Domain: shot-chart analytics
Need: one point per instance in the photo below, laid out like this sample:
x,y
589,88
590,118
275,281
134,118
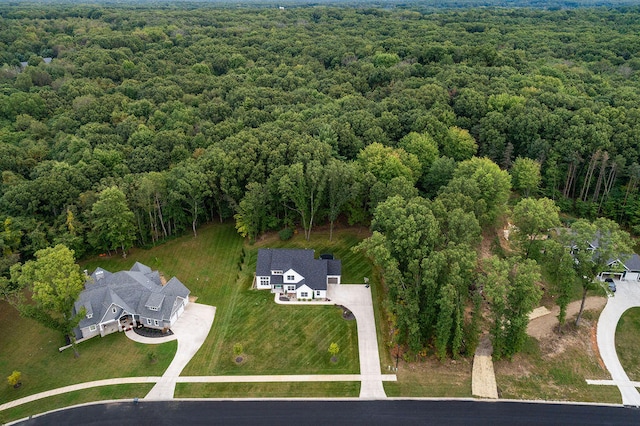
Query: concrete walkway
x,y
193,327
627,296
76,387
196,379
282,378
191,330
357,298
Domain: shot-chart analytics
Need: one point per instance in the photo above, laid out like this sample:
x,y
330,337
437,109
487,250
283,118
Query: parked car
x,y
611,284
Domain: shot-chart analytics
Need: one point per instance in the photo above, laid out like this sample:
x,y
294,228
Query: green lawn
x,y
281,339
628,342
33,350
268,390
208,265
126,391
218,267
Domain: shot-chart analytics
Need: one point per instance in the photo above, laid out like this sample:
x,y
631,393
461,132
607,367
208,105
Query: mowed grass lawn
x,y
218,267
280,339
32,349
102,393
628,342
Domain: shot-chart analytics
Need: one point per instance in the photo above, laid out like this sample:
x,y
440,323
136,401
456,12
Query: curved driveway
x,y
191,330
627,296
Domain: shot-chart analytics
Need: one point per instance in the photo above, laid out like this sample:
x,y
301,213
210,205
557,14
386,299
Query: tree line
x,y
123,125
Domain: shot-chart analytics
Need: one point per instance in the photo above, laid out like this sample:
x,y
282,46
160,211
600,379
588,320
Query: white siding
x,y
320,294
304,292
292,277
263,283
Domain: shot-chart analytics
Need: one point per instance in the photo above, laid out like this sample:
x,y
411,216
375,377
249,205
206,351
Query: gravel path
x,y
483,378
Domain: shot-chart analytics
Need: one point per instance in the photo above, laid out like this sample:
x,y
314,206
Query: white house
x,y
296,271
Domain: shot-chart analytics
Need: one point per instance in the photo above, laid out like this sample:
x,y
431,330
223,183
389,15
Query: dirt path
x,y
543,326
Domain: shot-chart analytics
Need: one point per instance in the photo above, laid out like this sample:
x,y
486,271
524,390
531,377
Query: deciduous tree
x,y
55,282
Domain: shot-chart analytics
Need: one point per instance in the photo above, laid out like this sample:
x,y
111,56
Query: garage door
x,y
332,280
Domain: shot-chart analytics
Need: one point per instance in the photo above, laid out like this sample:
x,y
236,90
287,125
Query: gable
x,y
137,291
296,266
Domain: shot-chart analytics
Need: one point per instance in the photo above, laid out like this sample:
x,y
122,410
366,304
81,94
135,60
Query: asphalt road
x,y
390,412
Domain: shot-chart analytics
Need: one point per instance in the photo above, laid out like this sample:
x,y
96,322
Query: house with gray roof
x,y
296,271
628,270
114,301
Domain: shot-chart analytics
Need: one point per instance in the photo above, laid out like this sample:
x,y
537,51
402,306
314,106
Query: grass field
x,y
33,350
432,378
268,390
559,373
628,341
217,267
126,391
281,339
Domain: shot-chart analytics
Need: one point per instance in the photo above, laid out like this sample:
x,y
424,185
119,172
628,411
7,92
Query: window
x,y
148,321
291,288
291,277
264,280
92,327
277,272
317,292
114,310
304,294
156,323
152,308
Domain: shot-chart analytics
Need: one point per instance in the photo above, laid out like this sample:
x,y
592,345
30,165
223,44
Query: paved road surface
x,y
389,412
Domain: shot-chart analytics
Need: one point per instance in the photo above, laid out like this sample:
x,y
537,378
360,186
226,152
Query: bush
x,y
14,378
285,234
238,349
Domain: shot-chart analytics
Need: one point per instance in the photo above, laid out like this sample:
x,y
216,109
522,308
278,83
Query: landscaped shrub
x,y
285,234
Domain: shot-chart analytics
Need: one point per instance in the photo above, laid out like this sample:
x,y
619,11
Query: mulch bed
x,y
151,332
346,313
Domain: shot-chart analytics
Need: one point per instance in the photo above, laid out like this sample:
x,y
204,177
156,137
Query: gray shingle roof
x,y
633,264
133,291
313,270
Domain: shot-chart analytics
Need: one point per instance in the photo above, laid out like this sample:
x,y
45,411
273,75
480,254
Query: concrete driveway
x,y
627,296
357,298
191,330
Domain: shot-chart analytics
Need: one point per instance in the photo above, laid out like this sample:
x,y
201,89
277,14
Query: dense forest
x,y
123,125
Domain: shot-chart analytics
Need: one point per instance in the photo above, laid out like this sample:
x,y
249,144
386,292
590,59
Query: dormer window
x,y
89,316
277,272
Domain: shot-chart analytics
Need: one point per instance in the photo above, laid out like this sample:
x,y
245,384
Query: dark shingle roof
x,y
135,291
633,264
313,270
